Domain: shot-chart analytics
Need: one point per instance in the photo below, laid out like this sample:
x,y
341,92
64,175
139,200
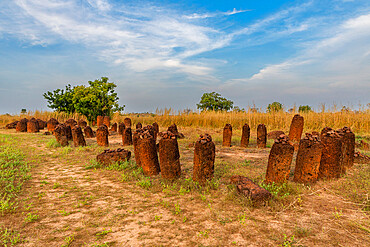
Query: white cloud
x,y
336,63
216,14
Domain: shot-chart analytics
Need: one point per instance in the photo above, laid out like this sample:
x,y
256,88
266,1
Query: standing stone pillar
x,y
280,158
82,123
308,159
127,122
121,128
261,136
52,124
106,121
227,134
22,125
102,135
78,137
173,129
89,133
349,140
246,132
60,135
32,126
156,129
169,156
296,128
135,140
99,121
127,137
42,124
71,122
204,159
331,165
139,125
68,130
148,154
114,127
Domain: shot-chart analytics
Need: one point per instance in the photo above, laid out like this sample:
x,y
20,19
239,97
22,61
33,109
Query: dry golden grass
x,y
314,121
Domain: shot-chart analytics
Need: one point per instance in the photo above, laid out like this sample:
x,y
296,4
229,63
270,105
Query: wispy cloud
x,y
216,14
336,66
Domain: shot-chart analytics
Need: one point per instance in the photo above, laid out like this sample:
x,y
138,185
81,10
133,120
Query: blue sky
x,y
168,53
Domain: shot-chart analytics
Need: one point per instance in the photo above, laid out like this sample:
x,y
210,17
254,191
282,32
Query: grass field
x,y
59,196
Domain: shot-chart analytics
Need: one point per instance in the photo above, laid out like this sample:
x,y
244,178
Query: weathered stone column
x,y
135,140
82,123
173,129
308,159
204,159
139,125
169,156
156,129
71,122
22,125
42,124
121,128
106,121
68,130
99,121
127,137
32,126
348,149
227,134
127,122
102,135
331,165
78,137
114,127
246,132
89,133
60,135
148,154
52,124
261,136
296,128
280,158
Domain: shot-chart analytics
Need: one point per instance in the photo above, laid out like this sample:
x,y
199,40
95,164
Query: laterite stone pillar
x,y
78,137
308,159
280,158
22,125
89,133
261,136
331,165
296,128
52,124
148,154
204,159
169,156
60,135
246,132
127,137
102,136
227,134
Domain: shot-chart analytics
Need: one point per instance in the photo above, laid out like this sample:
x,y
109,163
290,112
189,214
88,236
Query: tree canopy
x,y
274,107
96,99
214,101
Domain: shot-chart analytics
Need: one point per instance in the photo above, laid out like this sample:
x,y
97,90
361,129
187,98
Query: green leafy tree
x,y
274,107
96,99
214,101
61,100
304,108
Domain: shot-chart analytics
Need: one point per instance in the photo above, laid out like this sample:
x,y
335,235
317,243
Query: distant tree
x,y
274,107
214,101
238,109
304,108
91,101
23,111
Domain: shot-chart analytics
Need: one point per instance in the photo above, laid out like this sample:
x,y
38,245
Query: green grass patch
x,y
14,171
